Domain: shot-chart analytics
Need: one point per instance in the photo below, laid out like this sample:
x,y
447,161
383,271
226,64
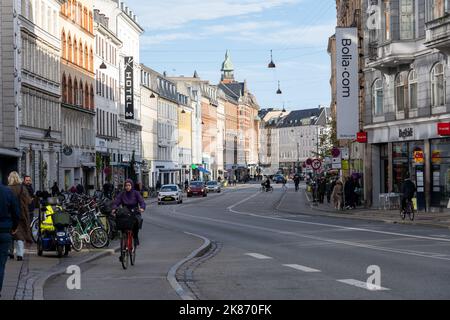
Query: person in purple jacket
x,y
133,201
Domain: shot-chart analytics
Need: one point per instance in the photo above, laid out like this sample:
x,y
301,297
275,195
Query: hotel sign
x,y
129,88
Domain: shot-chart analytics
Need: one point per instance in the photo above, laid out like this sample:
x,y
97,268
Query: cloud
x,y
172,14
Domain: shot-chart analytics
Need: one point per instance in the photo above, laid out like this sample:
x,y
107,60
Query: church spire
x,y
227,69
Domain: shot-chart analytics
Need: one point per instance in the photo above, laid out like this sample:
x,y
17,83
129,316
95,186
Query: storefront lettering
x,y
406,133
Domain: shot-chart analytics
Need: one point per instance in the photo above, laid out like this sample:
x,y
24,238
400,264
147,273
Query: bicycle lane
x,y
104,278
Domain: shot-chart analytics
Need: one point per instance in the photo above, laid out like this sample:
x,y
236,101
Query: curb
x,y
38,286
172,274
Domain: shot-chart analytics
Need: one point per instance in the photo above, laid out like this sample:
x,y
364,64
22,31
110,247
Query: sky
x,y
182,36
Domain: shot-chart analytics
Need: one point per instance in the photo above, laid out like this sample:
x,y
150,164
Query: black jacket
x,y
9,210
408,189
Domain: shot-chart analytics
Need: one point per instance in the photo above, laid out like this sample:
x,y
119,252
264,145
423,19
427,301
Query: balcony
x,y
393,55
438,34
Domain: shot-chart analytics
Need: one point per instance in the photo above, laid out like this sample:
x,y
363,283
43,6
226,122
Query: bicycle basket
x,y
125,220
61,219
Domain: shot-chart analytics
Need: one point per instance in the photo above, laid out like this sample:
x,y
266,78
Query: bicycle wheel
x,y
99,238
77,243
132,250
35,229
411,212
124,250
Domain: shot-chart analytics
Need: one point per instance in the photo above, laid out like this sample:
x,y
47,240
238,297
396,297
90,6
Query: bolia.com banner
x,y
129,88
347,83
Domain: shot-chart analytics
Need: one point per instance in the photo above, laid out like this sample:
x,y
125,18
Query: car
x,y
170,193
279,179
213,186
197,188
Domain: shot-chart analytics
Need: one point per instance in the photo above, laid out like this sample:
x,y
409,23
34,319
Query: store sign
x,y
129,88
361,137
405,133
444,129
347,82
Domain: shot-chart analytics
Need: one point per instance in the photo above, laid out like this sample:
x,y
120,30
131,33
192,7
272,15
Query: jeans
x,y
20,248
5,243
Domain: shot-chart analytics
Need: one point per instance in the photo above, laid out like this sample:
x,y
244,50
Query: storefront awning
x,y
203,170
10,153
88,164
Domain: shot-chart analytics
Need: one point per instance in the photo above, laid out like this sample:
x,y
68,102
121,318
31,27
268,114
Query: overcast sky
x,y
186,35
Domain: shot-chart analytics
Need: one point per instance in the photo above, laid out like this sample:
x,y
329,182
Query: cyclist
x,y
408,191
267,184
133,201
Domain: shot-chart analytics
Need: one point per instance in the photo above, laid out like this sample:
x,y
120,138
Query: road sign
x,y
316,164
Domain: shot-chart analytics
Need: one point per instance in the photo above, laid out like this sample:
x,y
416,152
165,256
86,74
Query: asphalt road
x,y
261,253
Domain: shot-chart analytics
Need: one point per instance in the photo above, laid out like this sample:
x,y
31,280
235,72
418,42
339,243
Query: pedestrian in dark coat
x,y
9,220
28,184
23,232
55,190
349,190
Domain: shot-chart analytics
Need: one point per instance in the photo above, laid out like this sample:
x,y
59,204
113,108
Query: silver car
x,y
170,193
213,186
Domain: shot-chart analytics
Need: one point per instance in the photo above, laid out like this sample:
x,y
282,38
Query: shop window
x,y
440,175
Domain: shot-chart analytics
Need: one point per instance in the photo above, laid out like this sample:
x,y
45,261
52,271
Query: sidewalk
x,y
300,200
24,280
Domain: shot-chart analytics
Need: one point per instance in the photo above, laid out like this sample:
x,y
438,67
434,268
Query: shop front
x,y
415,151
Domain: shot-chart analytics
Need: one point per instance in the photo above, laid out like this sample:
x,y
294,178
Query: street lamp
x,y
271,64
279,89
103,65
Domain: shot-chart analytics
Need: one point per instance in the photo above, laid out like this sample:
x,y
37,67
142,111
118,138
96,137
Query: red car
x,y
197,188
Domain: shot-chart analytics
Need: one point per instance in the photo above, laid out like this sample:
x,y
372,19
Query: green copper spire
x,y
227,64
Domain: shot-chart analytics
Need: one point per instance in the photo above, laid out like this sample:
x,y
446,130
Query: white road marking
x,y
301,268
334,241
258,256
363,285
334,226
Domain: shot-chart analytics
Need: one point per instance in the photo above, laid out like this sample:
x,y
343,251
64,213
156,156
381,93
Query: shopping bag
x,y
414,201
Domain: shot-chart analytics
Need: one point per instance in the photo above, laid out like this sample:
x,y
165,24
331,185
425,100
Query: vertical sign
x,y
129,88
347,83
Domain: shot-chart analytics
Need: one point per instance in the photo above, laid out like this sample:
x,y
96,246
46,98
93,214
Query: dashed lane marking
x,y
258,256
363,285
301,268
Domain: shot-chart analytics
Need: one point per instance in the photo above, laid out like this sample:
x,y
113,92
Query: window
x,y
407,19
437,85
400,92
377,97
435,9
412,81
64,45
387,19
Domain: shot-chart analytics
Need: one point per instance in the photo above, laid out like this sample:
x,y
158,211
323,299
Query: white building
x,y
123,23
37,61
107,102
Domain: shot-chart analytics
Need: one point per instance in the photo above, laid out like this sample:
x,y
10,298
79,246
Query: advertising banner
x,y
129,88
347,83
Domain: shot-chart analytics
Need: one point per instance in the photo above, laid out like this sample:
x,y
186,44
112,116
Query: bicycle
x,y
86,230
127,249
409,210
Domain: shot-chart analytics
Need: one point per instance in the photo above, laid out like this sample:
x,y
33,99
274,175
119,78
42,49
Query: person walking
x,y
27,182
336,195
9,220
23,232
108,189
55,190
349,191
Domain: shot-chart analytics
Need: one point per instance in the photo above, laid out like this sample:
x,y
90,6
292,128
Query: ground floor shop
x,y
9,162
421,154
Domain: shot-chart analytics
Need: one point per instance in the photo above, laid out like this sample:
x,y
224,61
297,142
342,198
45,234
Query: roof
x,y
300,118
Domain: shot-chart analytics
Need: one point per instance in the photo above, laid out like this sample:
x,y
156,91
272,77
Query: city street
x,y
259,252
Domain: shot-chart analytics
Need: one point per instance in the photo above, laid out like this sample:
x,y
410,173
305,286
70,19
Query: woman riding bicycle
x,y
133,201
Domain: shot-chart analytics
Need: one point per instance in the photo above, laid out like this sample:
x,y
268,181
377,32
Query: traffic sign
x,y
316,164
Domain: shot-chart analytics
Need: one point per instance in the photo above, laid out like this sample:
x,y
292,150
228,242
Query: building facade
x,y
77,88
107,102
407,99
124,24
38,59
